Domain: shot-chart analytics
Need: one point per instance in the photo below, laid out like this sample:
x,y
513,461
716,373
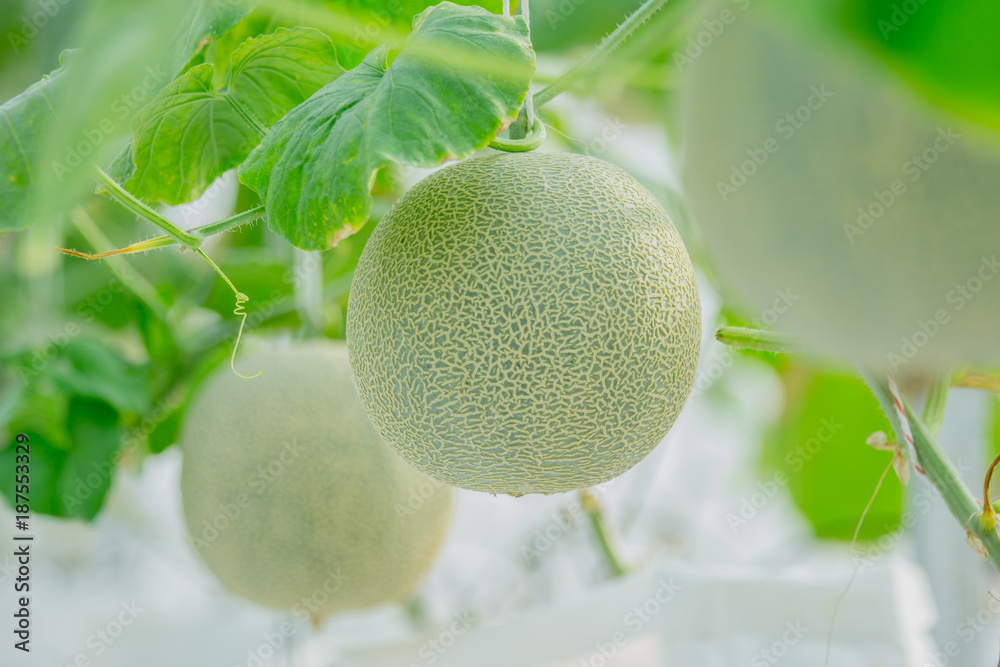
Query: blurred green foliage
x,y
947,50
560,25
97,371
97,378
820,444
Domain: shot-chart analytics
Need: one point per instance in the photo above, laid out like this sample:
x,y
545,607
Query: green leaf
x,y
191,133
90,466
70,482
46,465
206,22
164,434
24,121
92,369
375,17
120,67
464,72
831,471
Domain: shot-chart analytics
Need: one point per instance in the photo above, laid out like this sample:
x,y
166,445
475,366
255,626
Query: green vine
x,y
595,58
934,464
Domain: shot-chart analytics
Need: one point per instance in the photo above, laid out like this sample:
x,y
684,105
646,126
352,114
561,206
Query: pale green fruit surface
x,y
806,132
327,517
524,323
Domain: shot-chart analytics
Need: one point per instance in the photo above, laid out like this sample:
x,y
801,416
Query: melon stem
x,y
526,118
599,522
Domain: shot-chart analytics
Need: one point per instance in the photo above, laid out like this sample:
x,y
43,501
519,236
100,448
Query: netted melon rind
x,y
524,324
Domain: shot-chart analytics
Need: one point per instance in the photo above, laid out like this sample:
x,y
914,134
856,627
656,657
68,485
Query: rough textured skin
x,y
335,521
909,282
524,324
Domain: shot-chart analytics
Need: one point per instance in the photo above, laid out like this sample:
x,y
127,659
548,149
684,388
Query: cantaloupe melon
x,y
290,496
524,323
817,174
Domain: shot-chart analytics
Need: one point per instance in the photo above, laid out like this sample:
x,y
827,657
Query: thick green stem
x,y
530,142
934,406
599,54
129,201
756,339
597,521
935,465
938,469
163,241
522,125
231,222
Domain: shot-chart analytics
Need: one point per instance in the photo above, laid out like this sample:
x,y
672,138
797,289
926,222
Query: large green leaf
x,y
50,133
90,465
72,458
464,72
207,21
191,133
373,18
24,121
88,367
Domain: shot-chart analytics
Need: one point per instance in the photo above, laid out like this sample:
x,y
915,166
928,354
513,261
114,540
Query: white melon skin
x,y
290,496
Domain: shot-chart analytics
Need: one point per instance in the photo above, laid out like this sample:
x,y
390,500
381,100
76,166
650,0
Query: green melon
x,y
290,496
524,324
819,177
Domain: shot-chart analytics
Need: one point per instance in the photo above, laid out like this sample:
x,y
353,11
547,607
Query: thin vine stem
x,y
598,522
977,381
529,142
201,232
857,560
139,246
231,222
756,339
935,404
129,201
599,54
523,125
241,299
119,266
989,517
